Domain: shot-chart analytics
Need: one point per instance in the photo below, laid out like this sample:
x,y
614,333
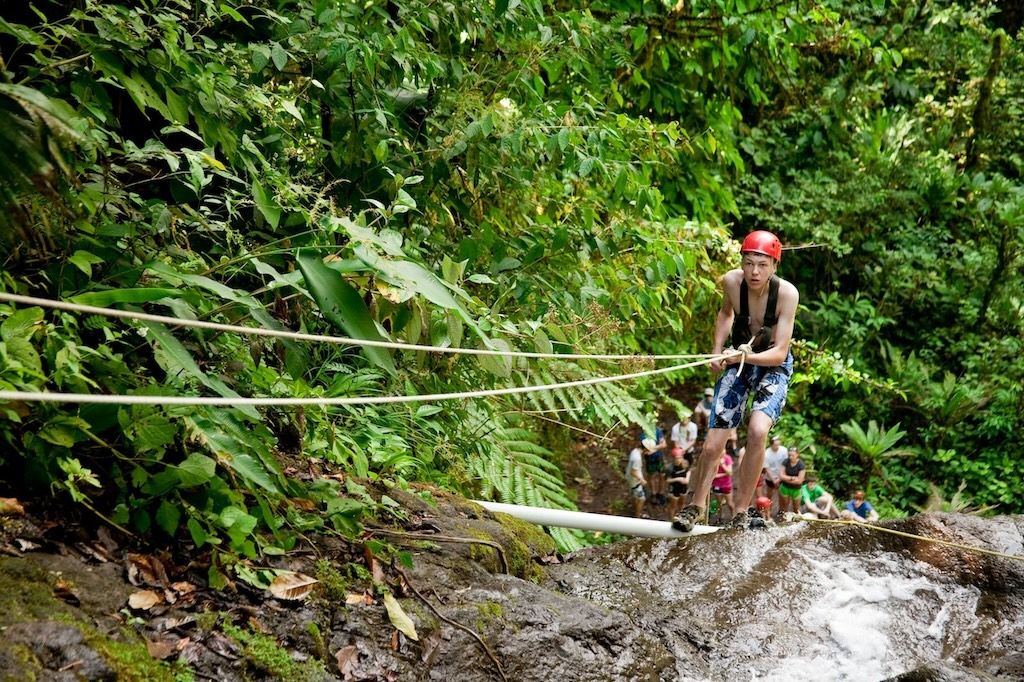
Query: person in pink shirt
x,y
721,485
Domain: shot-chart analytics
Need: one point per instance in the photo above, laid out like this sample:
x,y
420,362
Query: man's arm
x,y
723,323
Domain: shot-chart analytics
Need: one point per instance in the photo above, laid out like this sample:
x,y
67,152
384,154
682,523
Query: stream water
x,y
819,602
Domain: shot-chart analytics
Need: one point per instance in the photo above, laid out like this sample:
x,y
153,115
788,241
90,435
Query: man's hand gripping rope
x,y
744,350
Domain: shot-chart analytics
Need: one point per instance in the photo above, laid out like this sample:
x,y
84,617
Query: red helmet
x,y
764,503
761,241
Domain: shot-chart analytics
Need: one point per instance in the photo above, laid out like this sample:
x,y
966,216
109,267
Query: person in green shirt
x,y
816,500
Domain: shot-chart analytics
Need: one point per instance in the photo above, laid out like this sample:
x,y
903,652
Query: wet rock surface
x,y
815,601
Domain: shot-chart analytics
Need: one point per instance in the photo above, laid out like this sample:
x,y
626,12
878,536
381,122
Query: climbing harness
x,y
762,338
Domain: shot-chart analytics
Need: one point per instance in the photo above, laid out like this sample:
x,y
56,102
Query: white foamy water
x,y
870,619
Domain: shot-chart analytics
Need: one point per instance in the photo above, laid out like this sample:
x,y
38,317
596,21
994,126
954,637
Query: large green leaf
x,y
176,357
103,299
341,304
255,308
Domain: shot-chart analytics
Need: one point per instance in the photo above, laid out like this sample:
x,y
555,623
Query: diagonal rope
x,y
299,336
914,536
106,399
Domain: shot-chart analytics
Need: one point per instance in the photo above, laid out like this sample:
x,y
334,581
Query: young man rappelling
x,y
758,310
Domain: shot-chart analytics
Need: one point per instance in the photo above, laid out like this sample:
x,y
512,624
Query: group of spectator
x,y
786,485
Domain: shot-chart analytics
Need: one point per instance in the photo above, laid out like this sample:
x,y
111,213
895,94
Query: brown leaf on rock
x,y
143,600
161,649
107,540
146,569
223,646
347,657
63,591
371,563
292,586
361,598
430,647
93,551
9,505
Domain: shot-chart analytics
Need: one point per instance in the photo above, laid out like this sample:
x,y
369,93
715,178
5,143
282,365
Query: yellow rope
x,y
946,543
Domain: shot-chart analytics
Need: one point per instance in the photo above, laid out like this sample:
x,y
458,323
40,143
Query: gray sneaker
x,y
747,519
687,518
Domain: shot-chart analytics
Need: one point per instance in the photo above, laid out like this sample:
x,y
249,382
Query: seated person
x,y
678,479
859,509
816,500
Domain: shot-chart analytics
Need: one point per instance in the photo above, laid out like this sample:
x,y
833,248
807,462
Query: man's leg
x,y
707,465
745,479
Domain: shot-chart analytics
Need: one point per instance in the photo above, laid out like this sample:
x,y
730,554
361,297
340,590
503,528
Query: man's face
x,y
757,269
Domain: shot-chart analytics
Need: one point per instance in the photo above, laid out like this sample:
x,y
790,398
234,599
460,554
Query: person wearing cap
x,y
758,311
683,435
702,412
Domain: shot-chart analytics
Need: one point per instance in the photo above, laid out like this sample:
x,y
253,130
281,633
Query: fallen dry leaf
x,y
347,658
353,598
146,569
292,586
402,622
183,587
430,647
144,600
63,591
10,505
371,563
161,649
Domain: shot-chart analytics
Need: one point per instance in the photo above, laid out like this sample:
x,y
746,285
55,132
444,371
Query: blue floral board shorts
x,y
769,386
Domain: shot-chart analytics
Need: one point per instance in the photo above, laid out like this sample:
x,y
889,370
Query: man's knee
x,y
757,430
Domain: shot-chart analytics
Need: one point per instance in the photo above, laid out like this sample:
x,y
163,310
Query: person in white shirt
x,y
774,459
636,481
684,436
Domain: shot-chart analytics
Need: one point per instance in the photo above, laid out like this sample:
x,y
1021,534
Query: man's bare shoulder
x,y
732,279
788,293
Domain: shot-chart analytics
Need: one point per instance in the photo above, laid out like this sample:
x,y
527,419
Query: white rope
x,y
42,396
299,336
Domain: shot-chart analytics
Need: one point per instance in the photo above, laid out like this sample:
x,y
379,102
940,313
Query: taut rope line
x,y
107,399
944,543
299,336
